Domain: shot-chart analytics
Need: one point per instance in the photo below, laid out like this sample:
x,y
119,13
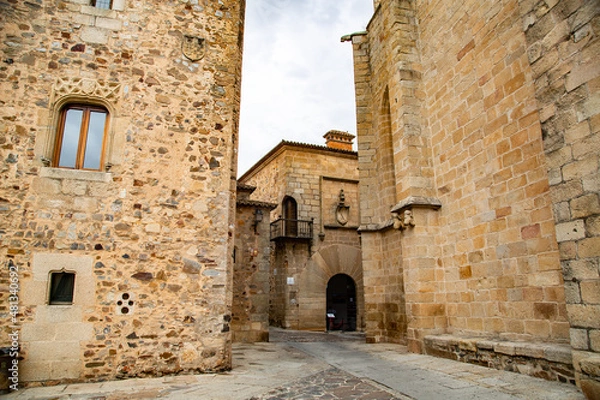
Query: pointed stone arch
x,y
323,265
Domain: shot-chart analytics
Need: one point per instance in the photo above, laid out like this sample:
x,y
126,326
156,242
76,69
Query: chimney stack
x,y
339,140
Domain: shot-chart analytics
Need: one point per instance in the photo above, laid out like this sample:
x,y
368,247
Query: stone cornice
x,y
417,201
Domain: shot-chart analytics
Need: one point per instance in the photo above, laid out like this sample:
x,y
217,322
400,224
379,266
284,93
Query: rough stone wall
x,y
250,310
313,176
152,232
563,47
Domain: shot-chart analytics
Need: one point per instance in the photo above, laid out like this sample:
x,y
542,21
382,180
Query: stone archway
x,y
326,263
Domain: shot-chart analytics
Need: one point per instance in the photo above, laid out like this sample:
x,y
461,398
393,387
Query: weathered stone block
x,y
591,366
94,35
46,186
527,349
54,350
585,205
75,188
589,107
594,335
108,23
572,230
588,248
579,339
590,292
572,293
558,353
59,314
508,348
584,315
581,270
581,74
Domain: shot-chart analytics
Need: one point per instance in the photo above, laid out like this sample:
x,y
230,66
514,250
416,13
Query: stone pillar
x,y
417,218
413,167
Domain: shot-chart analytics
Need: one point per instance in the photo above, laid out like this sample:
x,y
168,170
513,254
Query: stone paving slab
x,y
424,377
322,366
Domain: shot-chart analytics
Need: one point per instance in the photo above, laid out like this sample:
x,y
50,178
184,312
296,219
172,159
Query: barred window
x,y
105,4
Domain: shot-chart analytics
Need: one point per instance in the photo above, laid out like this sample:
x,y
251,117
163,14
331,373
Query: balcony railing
x,y
291,229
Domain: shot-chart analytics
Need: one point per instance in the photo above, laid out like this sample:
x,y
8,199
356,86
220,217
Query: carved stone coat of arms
x,y
193,47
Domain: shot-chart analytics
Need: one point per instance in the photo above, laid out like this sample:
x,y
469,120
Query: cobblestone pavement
x,y
331,383
328,366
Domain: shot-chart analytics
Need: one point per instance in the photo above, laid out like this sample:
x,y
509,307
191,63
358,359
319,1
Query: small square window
x,y
105,4
62,285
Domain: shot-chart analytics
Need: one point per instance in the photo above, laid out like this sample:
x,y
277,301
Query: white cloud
x,y
297,80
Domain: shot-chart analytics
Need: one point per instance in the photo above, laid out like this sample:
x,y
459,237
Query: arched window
x,y
81,138
290,216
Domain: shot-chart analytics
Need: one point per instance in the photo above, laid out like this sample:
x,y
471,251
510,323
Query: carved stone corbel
x,y
403,220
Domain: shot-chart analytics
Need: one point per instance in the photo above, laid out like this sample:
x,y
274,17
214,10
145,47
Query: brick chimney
x,y
339,140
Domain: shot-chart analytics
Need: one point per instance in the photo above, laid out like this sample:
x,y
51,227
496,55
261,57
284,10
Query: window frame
x,y
83,134
110,5
51,300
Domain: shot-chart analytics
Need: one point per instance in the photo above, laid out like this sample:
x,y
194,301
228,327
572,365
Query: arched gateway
x,y
325,281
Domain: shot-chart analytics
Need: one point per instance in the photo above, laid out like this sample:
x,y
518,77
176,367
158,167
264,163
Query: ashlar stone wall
x,y
563,47
454,94
492,115
499,250
150,237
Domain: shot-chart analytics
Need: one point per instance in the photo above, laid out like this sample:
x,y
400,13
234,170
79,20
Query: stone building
x,y
478,144
118,142
251,268
316,259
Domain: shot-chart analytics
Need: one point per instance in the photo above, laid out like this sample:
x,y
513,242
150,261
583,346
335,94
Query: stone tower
x,y
118,141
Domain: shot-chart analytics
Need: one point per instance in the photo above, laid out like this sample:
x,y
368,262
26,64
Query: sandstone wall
x,y
563,48
449,87
149,238
388,126
499,251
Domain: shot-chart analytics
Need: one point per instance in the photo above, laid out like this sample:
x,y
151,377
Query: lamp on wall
x,y
258,217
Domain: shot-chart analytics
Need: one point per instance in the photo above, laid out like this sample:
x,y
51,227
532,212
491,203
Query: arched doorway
x,y
341,303
290,216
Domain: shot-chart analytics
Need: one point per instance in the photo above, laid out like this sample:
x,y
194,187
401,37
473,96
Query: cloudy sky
x,y
298,79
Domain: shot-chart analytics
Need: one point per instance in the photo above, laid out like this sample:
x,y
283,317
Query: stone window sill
x,y
75,174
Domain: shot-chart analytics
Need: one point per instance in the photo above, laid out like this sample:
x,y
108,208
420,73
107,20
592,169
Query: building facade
x,y
251,268
118,141
315,261
478,144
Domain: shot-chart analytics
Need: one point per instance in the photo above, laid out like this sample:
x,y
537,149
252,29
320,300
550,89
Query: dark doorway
x,y
290,216
341,303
